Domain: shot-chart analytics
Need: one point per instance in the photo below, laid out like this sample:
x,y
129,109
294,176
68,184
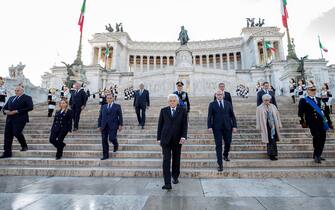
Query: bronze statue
x,y
119,27
251,22
183,36
109,28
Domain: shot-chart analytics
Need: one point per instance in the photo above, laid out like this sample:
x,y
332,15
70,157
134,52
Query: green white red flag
x,y
268,45
82,16
284,12
321,46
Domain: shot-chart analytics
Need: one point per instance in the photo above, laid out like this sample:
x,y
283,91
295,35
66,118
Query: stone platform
x,y
105,193
140,155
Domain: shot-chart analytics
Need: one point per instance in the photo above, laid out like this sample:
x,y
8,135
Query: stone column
x,y
141,61
207,59
134,65
221,61
214,61
161,64
154,62
201,61
235,61
228,61
99,55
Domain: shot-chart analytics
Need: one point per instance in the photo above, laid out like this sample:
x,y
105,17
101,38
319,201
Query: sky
x,y
41,33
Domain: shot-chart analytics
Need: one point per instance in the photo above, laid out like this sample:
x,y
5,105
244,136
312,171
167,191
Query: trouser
x,y
108,134
226,135
293,98
140,112
57,139
76,116
171,151
50,111
327,115
13,129
319,140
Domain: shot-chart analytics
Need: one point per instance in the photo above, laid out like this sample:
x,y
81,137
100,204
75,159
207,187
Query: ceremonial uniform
x,y
183,98
3,95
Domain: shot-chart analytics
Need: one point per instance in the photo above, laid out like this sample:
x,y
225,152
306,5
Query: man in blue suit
x,y
110,121
16,109
78,102
222,122
141,103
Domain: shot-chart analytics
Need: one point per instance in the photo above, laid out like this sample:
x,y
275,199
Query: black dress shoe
x,y
58,158
175,181
5,156
116,148
220,168
317,160
142,127
167,187
24,149
104,158
323,159
226,159
273,158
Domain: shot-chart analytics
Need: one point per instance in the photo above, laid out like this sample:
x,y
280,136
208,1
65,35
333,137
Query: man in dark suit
x,y
16,109
141,103
78,103
266,90
222,122
311,115
110,121
172,134
227,96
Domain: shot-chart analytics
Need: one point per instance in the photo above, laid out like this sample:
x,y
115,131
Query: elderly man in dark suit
x,y
266,90
227,96
16,109
78,102
222,122
141,103
110,121
172,134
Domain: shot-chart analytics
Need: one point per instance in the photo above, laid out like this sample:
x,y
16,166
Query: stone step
x,y
154,172
186,147
193,141
157,163
158,154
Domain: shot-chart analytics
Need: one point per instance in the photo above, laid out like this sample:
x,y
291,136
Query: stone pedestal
x,y
184,58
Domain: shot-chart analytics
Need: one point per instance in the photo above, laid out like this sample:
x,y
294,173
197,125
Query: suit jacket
x,y
172,129
227,97
219,118
23,105
260,95
141,100
309,115
62,122
111,117
78,99
183,96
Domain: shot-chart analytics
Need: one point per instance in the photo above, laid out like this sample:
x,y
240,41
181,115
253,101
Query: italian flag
x,y
322,47
268,45
284,12
82,16
107,52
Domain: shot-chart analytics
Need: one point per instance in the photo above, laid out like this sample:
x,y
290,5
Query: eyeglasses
x,y
219,94
312,89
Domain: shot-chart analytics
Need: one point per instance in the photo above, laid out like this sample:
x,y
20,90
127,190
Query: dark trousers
x,y
57,139
226,135
13,129
327,115
50,111
272,149
140,112
174,151
108,134
76,116
319,140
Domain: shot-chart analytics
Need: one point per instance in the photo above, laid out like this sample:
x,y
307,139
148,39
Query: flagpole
x,y
320,47
78,59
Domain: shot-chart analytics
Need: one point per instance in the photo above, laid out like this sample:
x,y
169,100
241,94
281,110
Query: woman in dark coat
x,y
61,126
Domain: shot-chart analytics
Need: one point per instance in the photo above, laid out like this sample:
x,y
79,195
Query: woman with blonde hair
x,y
62,124
268,122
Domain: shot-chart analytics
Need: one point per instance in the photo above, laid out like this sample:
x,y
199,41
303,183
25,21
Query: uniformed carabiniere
x,y
183,96
312,116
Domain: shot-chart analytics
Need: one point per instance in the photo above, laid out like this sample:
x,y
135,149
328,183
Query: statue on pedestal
x,y
16,72
75,73
183,36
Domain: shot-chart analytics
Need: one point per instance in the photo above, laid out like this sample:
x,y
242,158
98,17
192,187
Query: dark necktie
x,y
14,99
221,106
173,112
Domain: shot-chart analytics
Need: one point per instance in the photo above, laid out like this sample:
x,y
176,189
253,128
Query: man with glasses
x,y
141,103
78,102
110,121
312,116
16,109
222,122
266,90
227,96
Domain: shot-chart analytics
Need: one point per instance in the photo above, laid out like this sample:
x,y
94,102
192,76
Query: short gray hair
x,y
173,96
266,97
